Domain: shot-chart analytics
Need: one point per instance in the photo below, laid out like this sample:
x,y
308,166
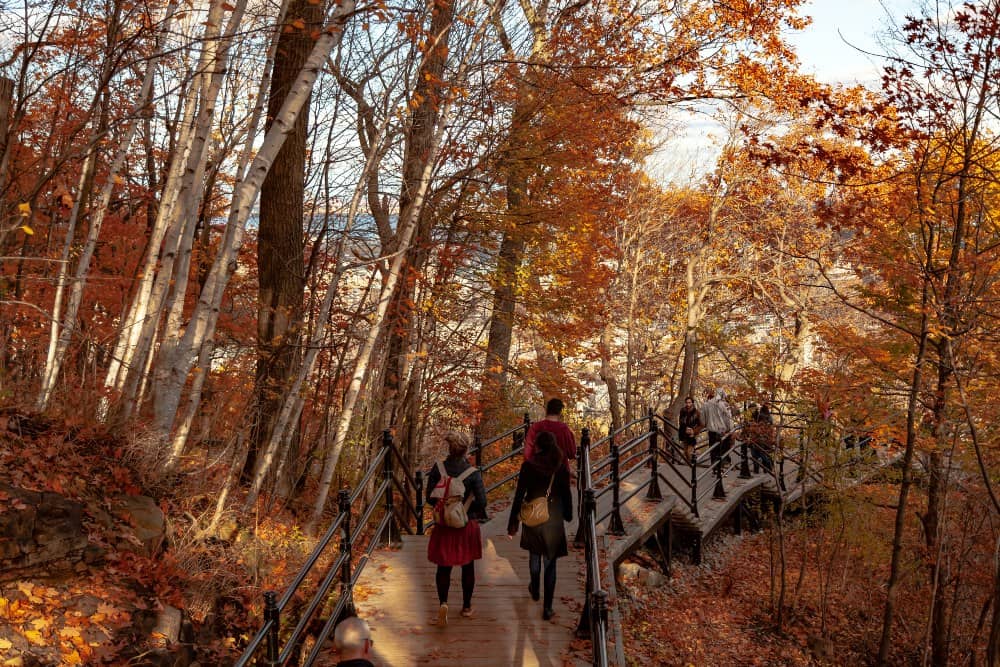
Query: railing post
x,y
720,490
745,462
694,481
391,529
654,477
346,549
519,435
587,509
616,526
418,481
599,616
272,613
584,453
477,445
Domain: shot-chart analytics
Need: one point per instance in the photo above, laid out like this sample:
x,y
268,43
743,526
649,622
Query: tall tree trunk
x,y
493,393
174,367
501,333
895,565
134,346
419,138
281,243
609,376
697,290
6,100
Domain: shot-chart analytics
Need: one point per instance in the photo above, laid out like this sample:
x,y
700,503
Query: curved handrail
x,y
594,621
381,498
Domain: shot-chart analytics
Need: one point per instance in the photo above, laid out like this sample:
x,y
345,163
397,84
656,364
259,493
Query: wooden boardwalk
x,y
398,599
396,592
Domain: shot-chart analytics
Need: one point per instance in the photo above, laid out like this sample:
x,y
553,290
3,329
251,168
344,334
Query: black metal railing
x,y
386,481
593,623
344,569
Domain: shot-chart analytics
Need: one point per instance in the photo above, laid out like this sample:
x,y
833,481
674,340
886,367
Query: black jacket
x,y
474,486
533,482
690,420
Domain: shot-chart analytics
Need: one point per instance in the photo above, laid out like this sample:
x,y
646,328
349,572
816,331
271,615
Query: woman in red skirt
x,y
449,546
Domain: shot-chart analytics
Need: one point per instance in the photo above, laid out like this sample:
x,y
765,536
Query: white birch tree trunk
x,y
205,355
58,348
173,275
132,327
51,372
292,405
174,365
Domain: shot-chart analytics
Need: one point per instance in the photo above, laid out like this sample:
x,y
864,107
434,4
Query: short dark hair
x,y
554,407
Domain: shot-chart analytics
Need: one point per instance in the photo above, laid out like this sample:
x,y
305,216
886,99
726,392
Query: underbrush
x,y
724,612
217,577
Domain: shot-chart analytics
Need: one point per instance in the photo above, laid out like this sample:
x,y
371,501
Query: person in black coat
x,y
547,542
689,427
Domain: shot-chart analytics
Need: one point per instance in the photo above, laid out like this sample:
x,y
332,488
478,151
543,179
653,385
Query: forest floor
x,y
722,612
104,611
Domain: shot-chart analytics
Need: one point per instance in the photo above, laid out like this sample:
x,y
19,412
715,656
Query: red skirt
x,y
455,546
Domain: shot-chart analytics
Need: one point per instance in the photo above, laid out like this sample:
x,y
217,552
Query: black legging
x,y
443,581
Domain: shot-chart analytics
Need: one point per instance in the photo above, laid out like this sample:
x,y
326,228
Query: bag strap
x,y
551,480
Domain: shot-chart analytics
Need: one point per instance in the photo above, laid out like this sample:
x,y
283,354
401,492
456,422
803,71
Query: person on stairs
x,y
689,428
545,474
552,423
449,546
354,643
718,419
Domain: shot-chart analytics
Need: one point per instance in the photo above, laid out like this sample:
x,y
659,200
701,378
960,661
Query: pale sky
x,y
840,46
827,47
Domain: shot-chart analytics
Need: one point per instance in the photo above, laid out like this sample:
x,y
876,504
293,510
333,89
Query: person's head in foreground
x,y
353,640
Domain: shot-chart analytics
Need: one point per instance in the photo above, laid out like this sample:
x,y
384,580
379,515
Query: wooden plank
x,y
398,598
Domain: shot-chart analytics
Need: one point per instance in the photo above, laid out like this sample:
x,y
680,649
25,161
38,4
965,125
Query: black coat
x,y
690,420
548,539
474,486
